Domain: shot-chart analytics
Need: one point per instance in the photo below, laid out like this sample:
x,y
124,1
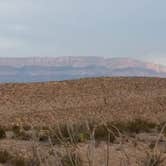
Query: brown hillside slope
x,y
108,98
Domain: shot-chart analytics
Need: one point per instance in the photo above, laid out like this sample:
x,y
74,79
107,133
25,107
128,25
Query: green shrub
x,y
82,137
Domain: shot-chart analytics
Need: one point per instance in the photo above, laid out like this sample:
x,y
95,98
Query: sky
x,y
108,28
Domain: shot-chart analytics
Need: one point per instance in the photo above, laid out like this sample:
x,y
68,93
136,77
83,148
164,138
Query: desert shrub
x,y
82,137
59,133
115,128
139,125
16,130
102,133
120,126
26,127
79,132
71,159
72,133
4,156
20,133
2,133
24,136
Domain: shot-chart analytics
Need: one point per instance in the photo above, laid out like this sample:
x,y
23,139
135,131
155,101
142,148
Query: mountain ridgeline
x,y
67,68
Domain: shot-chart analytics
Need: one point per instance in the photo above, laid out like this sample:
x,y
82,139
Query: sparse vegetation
x,y
82,124
71,134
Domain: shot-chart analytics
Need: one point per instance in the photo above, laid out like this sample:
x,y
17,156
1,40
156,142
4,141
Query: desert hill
x,y
107,98
40,69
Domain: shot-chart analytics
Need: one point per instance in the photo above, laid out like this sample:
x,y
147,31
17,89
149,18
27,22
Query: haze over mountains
x,y
64,68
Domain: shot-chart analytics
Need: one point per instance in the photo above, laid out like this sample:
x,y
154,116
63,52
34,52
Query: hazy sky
x,y
109,28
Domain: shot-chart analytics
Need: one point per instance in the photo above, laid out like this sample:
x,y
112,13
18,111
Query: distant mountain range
x,y
64,68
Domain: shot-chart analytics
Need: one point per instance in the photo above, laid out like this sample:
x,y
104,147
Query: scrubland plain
x,y
92,122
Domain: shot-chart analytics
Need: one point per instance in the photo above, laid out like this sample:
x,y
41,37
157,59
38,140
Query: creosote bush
x,y
2,133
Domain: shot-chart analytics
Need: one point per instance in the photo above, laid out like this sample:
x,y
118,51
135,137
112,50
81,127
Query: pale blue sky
x,y
109,28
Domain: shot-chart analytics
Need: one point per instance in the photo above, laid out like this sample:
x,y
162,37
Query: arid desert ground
x,y
87,122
